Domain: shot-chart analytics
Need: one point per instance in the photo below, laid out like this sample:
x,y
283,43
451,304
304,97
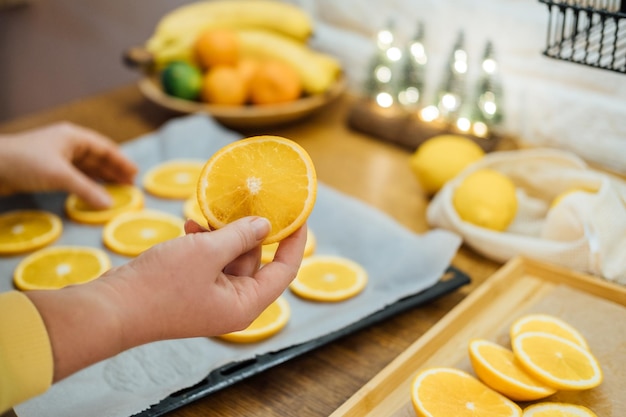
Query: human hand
x,y
64,157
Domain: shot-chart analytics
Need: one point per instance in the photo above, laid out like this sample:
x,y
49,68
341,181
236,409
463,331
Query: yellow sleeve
x,y
26,363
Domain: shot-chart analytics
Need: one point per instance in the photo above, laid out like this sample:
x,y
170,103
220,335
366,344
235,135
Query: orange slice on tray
x,y
175,179
557,362
266,176
27,230
329,278
548,324
446,392
268,251
59,266
554,409
497,367
272,320
125,198
133,232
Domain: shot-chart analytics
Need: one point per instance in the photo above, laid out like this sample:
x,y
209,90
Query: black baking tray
x,y
232,373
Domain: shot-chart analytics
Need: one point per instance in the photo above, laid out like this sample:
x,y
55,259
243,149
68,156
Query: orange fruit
x,y
26,230
272,320
268,251
554,409
60,266
275,82
329,278
548,324
224,85
447,392
267,176
133,232
125,198
217,46
247,67
497,367
175,179
557,362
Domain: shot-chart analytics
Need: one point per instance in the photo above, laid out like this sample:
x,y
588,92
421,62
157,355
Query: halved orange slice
x,y
272,320
125,198
133,232
329,278
268,251
266,176
554,409
497,367
557,362
27,230
175,179
59,266
447,392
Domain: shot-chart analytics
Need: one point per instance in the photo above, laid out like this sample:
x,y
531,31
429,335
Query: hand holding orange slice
x,y
125,198
267,176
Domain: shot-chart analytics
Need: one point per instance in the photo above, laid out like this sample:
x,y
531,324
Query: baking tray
x,y
232,373
520,286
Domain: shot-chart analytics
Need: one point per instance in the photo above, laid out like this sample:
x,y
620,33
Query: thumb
x,y
241,236
94,194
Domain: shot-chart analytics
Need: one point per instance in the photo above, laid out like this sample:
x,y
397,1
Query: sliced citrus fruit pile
x,y
548,324
272,320
133,232
553,409
446,392
125,198
329,278
266,176
60,266
27,230
498,368
268,251
191,210
556,361
175,179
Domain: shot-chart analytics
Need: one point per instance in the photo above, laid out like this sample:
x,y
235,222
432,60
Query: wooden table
x,y
372,170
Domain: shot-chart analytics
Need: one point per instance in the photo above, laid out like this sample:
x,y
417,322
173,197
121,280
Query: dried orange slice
x,y
268,251
26,230
272,320
59,266
329,278
175,179
548,324
553,409
133,232
446,392
266,176
191,210
497,367
557,362
125,198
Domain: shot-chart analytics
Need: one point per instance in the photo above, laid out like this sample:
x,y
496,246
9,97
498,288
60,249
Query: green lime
x,y
181,79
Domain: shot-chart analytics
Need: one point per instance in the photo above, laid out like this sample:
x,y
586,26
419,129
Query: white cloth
x,y
584,232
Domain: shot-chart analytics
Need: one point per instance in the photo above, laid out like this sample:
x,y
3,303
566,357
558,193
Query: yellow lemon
x,y
486,198
441,158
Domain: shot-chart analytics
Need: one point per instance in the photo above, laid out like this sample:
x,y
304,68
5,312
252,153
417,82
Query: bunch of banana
x,y
267,29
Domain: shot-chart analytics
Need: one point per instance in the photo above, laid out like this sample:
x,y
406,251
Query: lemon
x,y
441,158
181,79
486,198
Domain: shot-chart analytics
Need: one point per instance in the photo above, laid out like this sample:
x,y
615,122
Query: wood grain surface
x,y
375,171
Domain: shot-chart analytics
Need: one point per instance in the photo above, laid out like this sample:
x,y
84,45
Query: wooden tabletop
x,y
375,171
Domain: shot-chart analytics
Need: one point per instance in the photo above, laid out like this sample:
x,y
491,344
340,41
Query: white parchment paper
x,y
398,261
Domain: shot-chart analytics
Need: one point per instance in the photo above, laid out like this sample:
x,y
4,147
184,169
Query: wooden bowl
x,y
246,116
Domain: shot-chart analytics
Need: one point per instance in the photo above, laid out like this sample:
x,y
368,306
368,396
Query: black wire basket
x,y
588,32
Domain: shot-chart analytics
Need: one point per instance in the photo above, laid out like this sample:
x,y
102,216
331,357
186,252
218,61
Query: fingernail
x,y
261,227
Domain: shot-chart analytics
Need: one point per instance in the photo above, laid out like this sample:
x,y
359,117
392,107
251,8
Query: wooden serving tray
x,y
595,307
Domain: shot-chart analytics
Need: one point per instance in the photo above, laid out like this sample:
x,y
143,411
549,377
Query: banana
x,y
177,29
318,71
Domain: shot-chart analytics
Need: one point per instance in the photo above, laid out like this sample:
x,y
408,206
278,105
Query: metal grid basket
x,y
588,32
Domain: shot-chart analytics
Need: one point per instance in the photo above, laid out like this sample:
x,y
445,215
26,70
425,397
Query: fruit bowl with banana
x,y
246,62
